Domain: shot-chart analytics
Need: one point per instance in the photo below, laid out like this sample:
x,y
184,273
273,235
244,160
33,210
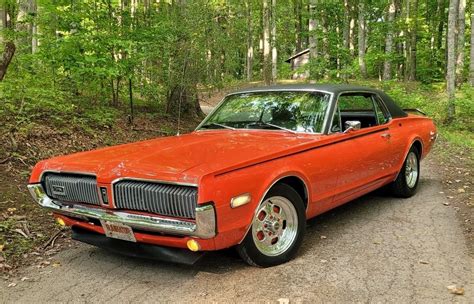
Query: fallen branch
x,y
51,240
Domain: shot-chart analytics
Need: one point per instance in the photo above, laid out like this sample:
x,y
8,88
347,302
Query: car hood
x,y
183,158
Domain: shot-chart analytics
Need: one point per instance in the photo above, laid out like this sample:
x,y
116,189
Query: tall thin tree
x,y
312,29
267,68
274,42
461,41
249,67
387,66
451,59
471,65
362,39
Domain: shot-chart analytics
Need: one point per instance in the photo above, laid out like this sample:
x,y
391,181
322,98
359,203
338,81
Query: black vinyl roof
x,y
335,89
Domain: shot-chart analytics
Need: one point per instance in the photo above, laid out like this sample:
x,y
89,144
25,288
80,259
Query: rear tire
x,y
406,183
277,229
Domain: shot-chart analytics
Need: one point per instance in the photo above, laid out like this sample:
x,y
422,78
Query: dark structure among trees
x,y
298,61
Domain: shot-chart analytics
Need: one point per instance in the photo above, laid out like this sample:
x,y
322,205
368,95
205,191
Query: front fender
x,y
233,223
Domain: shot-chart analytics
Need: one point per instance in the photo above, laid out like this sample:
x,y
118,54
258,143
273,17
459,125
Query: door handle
x,y
386,135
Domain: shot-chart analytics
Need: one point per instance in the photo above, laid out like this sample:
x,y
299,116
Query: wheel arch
x,y
293,180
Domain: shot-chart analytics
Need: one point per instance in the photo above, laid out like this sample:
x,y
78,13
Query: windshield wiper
x,y
215,124
273,126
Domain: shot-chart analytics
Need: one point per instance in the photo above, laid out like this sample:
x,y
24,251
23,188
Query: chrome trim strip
x,y
65,172
153,181
204,226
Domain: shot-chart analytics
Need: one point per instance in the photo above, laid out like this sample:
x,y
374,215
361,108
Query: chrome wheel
x,y
411,169
275,226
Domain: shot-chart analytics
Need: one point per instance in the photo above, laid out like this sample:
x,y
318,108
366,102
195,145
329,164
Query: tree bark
x,y
387,66
249,67
361,38
471,65
346,25
8,19
413,43
33,11
451,59
352,31
7,57
298,25
461,41
274,45
267,69
312,28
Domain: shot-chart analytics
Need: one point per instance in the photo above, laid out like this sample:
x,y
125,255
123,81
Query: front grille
x,y
74,188
171,200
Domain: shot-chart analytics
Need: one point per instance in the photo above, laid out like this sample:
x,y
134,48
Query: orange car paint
x,y
335,168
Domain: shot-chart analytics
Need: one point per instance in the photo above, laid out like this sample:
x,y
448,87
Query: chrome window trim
x,y
372,93
324,126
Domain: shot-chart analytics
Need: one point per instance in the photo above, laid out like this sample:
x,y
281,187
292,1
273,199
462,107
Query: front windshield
x,y
292,111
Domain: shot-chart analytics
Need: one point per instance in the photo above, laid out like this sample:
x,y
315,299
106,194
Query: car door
x,y
365,160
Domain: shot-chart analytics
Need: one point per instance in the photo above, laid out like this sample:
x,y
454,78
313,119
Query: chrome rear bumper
x,y
203,227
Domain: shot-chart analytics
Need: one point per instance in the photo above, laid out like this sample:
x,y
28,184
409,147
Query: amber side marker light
x,y
240,200
60,221
193,245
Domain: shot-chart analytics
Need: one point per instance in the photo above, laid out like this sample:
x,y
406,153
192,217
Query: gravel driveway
x,y
375,249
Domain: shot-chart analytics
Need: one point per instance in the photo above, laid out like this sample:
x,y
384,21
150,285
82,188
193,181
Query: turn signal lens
x,y
60,221
193,245
36,192
240,200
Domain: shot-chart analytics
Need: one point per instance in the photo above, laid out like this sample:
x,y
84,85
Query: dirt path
x,y
375,249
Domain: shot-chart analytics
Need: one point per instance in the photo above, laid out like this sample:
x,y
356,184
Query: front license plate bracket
x,y
118,231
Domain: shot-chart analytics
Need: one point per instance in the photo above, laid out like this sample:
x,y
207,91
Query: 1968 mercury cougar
x,y
251,174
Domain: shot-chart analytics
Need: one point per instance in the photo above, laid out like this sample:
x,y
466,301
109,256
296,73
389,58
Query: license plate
x,y
118,231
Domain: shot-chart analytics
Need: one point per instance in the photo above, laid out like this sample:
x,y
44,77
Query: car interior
x,y
365,108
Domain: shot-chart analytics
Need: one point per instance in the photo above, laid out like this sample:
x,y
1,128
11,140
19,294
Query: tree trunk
x,y
451,59
312,28
352,32
267,69
298,25
274,48
7,57
460,46
413,42
249,41
471,66
346,25
387,65
9,48
32,11
361,39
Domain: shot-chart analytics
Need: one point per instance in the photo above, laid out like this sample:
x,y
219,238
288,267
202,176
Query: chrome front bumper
x,y
204,226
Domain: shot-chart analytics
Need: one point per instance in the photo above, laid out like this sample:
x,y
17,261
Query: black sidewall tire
x,y
249,252
400,187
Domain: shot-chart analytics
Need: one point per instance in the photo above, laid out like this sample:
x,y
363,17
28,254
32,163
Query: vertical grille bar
x,y
73,188
165,199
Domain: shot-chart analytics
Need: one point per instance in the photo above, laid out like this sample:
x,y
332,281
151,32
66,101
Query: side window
x,y
363,107
355,103
381,113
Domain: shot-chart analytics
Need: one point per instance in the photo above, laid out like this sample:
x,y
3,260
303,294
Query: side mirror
x,y
351,125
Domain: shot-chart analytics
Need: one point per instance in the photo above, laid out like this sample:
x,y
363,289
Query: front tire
x,y
277,228
406,183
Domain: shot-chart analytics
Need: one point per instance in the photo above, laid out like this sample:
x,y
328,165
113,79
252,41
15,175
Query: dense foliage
x,y
91,57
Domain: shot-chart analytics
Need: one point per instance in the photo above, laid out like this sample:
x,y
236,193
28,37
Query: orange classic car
x,y
250,175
